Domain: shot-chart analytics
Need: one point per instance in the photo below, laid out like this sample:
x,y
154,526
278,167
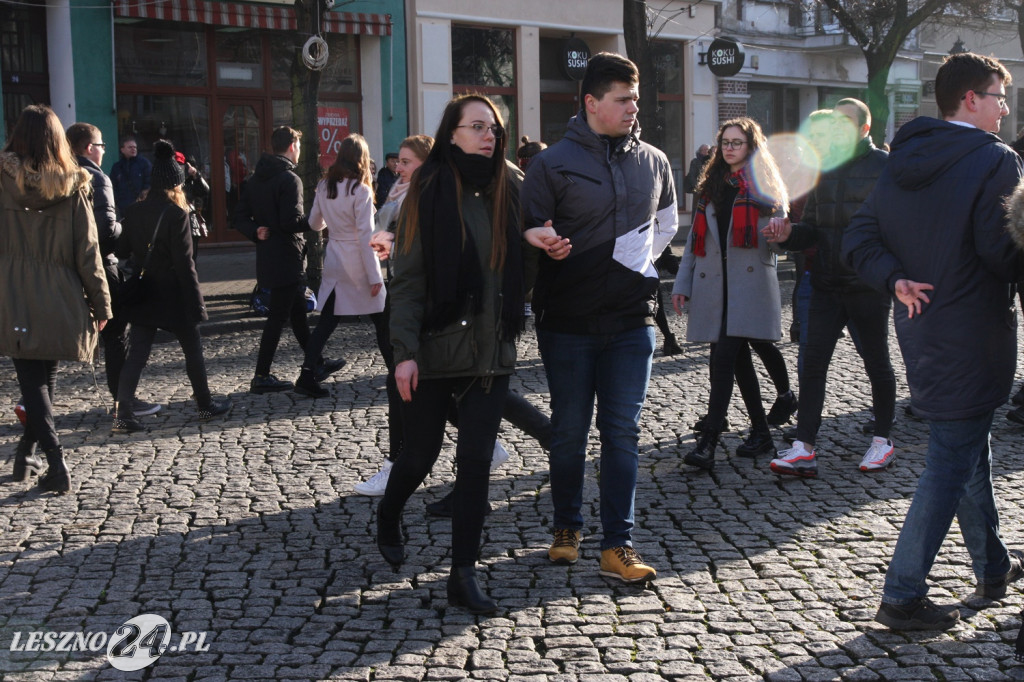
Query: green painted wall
x,y
394,79
92,45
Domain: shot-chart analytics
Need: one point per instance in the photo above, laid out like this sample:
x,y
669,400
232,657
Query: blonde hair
x,y
39,142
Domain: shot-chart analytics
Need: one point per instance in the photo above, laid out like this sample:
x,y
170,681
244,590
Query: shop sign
x,y
725,57
575,55
333,125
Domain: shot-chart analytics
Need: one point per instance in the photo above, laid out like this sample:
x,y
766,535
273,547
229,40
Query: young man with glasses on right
x,y
933,234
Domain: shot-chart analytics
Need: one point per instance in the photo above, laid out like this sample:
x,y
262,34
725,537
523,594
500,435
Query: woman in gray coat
x,y
728,276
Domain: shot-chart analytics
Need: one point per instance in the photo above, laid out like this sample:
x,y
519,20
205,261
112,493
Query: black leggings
x,y
38,381
287,304
480,411
140,344
730,357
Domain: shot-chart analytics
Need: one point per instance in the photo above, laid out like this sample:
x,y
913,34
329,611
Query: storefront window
x,y
668,64
154,54
185,121
483,57
239,59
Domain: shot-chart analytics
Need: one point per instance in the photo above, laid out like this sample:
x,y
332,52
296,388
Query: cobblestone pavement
x,y
247,529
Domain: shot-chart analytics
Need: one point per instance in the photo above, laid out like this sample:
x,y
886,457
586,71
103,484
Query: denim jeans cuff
x,y
893,601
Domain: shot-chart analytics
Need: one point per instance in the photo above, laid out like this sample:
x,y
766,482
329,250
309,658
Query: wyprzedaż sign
x,y
333,124
725,57
575,55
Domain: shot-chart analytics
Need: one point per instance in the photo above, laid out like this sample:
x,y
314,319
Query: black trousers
x,y
114,334
829,313
480,408
774,363
140,344
38,381
287,304
731,357
396,428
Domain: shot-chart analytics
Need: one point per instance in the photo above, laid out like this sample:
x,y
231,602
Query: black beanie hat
x,y
167,172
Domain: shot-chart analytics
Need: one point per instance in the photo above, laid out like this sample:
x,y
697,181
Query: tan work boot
x,y
626,565
565,549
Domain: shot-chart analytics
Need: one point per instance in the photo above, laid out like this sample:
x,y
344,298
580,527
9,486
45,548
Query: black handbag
x,y
135,288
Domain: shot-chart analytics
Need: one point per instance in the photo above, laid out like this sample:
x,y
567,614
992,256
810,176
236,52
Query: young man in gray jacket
x,y
602,205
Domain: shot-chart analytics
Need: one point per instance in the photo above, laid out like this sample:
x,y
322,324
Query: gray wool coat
x,y
755,305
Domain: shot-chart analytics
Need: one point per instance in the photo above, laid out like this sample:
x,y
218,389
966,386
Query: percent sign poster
x,y
333,124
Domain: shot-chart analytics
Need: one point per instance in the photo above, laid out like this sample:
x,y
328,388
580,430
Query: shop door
x,y
242,136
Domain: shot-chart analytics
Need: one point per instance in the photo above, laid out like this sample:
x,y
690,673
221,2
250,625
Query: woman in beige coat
x,y
53,292
351,283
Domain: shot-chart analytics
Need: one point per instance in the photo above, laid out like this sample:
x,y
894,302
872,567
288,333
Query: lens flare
x,y
798,164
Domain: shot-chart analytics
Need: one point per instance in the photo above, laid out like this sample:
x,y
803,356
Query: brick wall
x,y
730,106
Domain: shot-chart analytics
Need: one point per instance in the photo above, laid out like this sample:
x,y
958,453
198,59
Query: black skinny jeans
x,y
38,381
140,344
114,333
731,357
829,313
287,304
425,417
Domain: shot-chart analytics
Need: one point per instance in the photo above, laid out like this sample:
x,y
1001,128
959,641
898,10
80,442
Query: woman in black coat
x,y
171,298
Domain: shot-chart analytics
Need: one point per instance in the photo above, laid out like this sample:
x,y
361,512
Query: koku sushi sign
x,y
725,57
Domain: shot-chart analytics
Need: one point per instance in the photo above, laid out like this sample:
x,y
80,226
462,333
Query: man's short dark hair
x,y
80,136
391,155
604,70
960,74
863,112
125,140
282,138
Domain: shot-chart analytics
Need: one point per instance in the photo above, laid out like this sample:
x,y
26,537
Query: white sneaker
x,y
795,462
880,455
376,484
500,455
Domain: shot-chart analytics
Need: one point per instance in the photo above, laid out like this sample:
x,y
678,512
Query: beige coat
x,y
52,286
350,265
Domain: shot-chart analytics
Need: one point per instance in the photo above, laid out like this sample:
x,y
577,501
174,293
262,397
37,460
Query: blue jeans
x,y
614,369
957,480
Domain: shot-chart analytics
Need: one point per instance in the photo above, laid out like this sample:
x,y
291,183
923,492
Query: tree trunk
x,y
638,49
305,96
878,101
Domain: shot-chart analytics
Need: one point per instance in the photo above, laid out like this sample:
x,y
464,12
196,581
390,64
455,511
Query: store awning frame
x,y
245,15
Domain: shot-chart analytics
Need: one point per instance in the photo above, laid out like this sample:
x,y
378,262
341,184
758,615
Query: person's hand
x,y
407,376
911,294
381,243
143,194
375,289
546,239
678,301
777,230
101,324
263,233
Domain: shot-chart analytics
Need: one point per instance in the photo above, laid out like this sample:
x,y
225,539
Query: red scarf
x,y
745,213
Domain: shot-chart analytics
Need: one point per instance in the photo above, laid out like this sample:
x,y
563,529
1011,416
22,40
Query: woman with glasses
x,y
456,312
728,276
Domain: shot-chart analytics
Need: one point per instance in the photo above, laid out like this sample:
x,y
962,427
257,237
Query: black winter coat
x,y
936,216
107,227
830,206
174,300
272,198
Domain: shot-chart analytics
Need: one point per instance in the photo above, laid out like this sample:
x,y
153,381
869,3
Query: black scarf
x,y
454,275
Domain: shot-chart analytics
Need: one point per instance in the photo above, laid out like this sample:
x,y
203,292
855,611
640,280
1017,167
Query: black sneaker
x,y
140,408
920,614
671,346
216,408
268,384
783,409
997,590
126,425
789,435
327,368
698,426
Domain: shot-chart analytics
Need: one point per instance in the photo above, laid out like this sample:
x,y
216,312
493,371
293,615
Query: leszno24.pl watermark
x,y
133,646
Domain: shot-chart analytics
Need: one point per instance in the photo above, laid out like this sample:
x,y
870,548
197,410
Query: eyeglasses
x,y
733,144
1000,97
102,145
480,128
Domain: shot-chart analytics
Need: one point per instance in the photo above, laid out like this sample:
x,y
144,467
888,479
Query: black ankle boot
x,y
124,419
26,462
56,479
759,443
703,455
307,385
464,590
389,538
783,409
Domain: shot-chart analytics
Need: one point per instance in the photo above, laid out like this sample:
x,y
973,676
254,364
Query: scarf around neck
x,y
745,213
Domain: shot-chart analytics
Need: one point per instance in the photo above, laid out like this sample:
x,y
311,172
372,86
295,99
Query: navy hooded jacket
x,y
936,216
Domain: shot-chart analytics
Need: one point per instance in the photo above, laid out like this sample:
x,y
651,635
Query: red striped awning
x,y
242,15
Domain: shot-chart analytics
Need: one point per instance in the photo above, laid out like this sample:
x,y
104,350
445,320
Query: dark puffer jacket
x,y
272,198
830,206
936,216
616,202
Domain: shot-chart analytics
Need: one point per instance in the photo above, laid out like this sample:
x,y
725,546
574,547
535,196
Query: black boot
x,y
307,385
215,408
464,590
783,409
703,455
759,443
389,538
26,462
671,346
124,419
56,479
